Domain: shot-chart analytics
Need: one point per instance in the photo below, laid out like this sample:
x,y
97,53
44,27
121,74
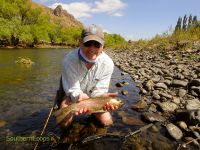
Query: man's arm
x,y
70,80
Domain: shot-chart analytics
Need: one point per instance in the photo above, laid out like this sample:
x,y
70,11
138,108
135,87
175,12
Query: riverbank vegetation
x,y
186,35
27,24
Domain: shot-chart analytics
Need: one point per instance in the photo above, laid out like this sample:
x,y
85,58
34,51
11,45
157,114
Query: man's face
x,y
91,49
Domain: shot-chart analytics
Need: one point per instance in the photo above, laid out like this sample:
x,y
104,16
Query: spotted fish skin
x,y
94,105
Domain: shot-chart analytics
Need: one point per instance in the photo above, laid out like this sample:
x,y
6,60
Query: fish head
x,y
116,101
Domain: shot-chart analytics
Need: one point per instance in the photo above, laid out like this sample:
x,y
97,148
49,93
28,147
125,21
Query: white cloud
x,y
118,14
109,6
85,10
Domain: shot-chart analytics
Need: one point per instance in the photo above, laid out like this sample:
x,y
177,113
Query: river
x,y
27,93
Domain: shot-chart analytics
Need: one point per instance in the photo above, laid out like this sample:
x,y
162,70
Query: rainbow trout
x,y
93,104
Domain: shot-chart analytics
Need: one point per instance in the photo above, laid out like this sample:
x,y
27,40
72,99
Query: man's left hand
x,y
107,105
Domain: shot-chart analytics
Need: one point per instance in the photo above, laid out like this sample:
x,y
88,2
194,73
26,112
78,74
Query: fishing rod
x,y
46,122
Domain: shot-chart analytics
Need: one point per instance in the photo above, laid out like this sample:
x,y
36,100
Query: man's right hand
x,y
82,97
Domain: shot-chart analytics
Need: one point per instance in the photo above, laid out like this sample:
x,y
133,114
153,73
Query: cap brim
x,y
93,38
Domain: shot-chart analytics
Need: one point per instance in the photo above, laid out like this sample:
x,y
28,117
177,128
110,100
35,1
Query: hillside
x,y
65,18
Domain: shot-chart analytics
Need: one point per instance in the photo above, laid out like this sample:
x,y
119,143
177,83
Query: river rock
x,y
192,104
125,83
167,82
174,131
182,125
168,106
161,85
142,91
124,92
140,105
153,117
179,83
149,85
129,120
156,94
176,100
156,78
182,92
152,108
166,95
180,76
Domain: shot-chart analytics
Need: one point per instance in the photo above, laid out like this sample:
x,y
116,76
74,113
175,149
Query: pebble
x,y
124,92
174,131
161,85
182,92
140,105
156,94
153,117
192,104
182,125
176,100
168,106
179,83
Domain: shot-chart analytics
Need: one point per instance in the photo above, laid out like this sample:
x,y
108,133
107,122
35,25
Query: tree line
x,y
186,23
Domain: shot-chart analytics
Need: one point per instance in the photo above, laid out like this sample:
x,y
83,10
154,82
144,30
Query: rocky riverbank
x,y
169,83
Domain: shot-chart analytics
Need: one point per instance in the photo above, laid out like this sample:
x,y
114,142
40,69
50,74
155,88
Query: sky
x,y
133,19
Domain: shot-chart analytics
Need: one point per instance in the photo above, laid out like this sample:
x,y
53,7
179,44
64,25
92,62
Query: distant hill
x,y
66,19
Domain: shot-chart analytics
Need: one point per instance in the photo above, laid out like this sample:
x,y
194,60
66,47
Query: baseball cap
x,y
94,33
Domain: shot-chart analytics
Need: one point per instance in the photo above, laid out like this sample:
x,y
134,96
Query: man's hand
x,y
82,97
108,106
65,102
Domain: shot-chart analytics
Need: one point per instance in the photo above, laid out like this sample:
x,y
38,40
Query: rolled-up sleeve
x,y
70,81
102,85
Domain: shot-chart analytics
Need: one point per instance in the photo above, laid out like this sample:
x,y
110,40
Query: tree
x,y
24,7
194,21
189,22
178,25
184,23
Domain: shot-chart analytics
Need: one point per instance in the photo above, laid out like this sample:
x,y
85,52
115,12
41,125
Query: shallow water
x,y
27,93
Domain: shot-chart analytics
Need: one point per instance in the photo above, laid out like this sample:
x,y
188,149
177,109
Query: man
x,y
87,72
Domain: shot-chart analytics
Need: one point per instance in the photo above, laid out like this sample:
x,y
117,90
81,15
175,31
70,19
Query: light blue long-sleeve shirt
x,y
77,79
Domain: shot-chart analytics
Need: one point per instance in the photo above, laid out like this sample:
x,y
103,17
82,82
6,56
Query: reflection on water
x,y
27,93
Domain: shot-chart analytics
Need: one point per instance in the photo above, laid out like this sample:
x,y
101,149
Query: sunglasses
x,y
90,43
